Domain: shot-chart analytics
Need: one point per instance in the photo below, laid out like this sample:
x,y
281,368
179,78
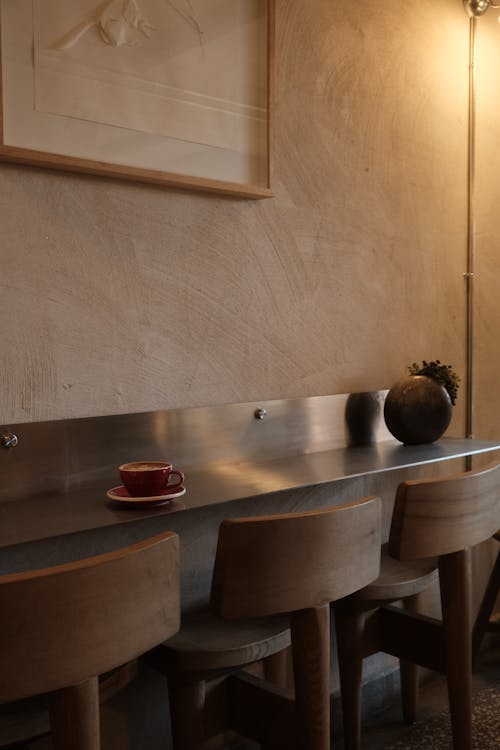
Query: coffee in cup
x,y
150,478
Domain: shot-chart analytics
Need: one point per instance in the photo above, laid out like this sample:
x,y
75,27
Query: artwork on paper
x,y
191,70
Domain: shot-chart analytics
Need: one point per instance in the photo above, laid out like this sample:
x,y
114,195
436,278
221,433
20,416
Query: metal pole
x,y
469,274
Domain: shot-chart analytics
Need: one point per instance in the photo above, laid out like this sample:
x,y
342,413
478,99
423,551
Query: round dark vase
x,y
417,410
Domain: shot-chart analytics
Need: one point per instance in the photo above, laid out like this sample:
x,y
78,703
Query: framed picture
x,y
175,92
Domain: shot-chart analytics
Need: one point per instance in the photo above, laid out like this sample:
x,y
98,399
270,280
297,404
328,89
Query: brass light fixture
x,y
479,7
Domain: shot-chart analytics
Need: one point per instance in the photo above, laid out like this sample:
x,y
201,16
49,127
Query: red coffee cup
x,y
150,478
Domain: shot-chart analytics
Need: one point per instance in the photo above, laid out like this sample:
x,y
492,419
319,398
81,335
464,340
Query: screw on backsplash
x,y
8,440
260,413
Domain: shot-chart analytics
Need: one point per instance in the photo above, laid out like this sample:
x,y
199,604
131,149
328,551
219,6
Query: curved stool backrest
x,y
275,564
438,517
63,625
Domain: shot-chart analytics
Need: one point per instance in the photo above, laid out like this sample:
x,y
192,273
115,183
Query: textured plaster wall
x,y
121,298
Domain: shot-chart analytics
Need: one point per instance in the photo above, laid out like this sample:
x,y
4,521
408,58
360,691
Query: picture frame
x,y
171,92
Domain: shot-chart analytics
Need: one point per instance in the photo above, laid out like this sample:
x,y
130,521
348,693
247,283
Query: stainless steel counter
x,y
66,511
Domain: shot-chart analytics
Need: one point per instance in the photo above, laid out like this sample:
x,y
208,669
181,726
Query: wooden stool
x,y
484,621
61,627
434,524
293,564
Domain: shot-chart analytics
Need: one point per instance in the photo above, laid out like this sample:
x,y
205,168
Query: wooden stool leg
x,y
74,717
454,576
187,708
276,668
486,608
349,628
310,629
409,673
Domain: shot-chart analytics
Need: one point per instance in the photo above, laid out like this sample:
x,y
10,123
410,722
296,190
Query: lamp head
x,y
477,7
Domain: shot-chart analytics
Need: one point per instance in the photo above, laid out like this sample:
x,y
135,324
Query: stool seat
x,y
207,642
399,579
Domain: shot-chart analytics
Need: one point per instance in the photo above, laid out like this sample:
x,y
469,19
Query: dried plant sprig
x,y
443,374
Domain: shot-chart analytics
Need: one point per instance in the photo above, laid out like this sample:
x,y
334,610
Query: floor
x,y
381,728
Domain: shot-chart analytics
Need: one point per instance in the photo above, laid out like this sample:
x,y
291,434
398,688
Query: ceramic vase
x,y
417,410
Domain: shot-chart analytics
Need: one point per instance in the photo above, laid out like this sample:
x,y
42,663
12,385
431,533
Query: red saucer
x,y
122,495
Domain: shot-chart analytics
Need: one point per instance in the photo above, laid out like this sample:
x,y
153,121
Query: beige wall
x,y
121,298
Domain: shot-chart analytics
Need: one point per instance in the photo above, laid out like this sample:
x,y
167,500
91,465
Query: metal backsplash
x,y
71,453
